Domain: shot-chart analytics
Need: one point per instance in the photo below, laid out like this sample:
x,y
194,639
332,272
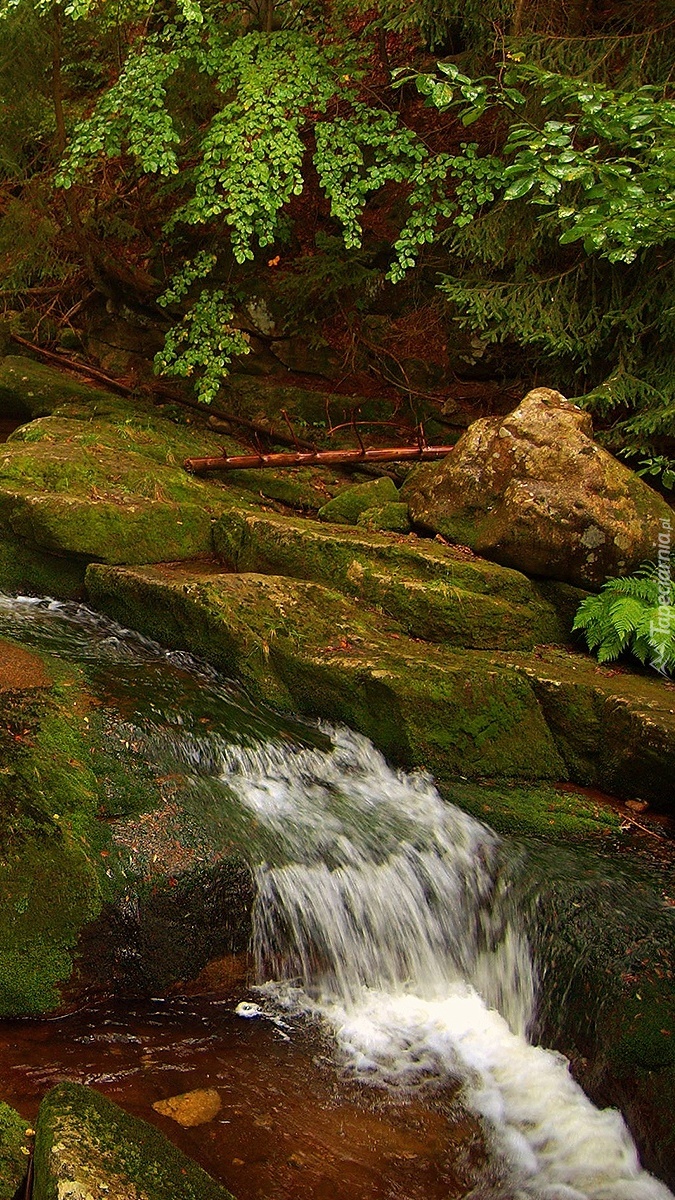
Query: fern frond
x,y
635,613
625,615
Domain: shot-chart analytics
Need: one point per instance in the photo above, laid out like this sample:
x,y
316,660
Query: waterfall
x,y
383,912
390,917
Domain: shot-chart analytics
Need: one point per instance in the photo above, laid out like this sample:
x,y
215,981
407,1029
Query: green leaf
x,y
520,187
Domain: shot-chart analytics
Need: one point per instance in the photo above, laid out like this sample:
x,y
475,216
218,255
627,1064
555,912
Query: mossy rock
x,y
87,1146
303,488
542,811
433,592
15,1145
30,389
73,797
391,518
48,800
533,490
347,506
28,570
644,1029
306,648
615,729
84,487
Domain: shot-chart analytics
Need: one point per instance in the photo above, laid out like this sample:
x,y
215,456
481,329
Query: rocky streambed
x,y
448,662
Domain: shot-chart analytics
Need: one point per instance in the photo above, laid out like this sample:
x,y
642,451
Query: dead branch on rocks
x,y
317,458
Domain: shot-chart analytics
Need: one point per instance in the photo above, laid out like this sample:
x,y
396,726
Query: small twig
x,y
356,428
644,828
291,429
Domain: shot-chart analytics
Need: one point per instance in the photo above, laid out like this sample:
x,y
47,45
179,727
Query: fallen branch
x,y
316,458
163,393
69,364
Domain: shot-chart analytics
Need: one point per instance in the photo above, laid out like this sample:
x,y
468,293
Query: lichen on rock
x,y
532,490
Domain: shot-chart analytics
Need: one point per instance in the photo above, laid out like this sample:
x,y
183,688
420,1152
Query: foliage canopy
x,y
542,201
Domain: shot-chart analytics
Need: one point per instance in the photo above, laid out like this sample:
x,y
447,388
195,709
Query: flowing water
x,y
384,914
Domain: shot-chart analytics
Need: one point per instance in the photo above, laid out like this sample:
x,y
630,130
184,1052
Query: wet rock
x,y
47,789
534,491
15,1144
74,804
87,1149
305,648
614,730
475,713
191,1108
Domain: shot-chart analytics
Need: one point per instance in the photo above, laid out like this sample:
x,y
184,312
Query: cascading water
x,y
384,912
393,921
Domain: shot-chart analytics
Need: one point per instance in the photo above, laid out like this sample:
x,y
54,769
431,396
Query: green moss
x,y
306,648
614,729
26,570
111,487
536,811
86,1144
644,1028
32,389
38,935
59,773
14,1147
433,593
90,528
302,488
392,517
50,848
347,506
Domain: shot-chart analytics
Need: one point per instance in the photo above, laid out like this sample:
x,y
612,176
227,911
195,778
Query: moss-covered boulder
x,y
431,590
306,648
15,1148
347,506
615,729
50,838
391,518
303,488
30,389
94,476
534,491
80,485
86,1146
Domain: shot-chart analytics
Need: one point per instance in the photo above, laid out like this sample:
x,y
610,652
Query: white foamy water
x,y
391,918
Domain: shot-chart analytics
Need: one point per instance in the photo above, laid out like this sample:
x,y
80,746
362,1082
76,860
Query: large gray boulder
x,y
534,491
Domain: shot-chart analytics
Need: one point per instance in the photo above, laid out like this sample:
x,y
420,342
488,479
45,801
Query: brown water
x,y
289,1126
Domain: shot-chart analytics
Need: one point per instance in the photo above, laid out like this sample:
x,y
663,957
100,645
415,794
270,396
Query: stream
x,y
392,995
